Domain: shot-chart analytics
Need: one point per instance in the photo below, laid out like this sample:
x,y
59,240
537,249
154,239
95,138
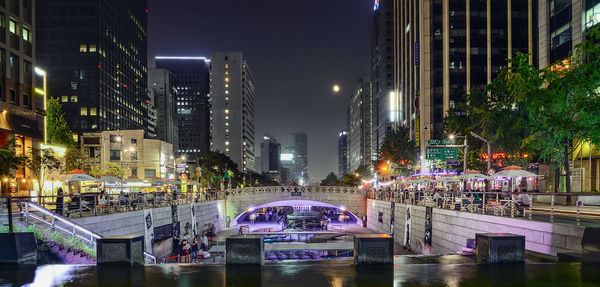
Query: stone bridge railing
x,y
275,189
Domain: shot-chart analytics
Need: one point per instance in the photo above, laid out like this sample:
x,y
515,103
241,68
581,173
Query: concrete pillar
x,y
373,249
245,249
120,250
18,248
590,245
500,248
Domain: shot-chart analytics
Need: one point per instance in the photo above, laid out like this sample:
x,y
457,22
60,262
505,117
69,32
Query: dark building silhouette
x,y
192,84
96,55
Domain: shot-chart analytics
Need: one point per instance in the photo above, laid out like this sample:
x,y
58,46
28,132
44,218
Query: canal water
x,y
451,270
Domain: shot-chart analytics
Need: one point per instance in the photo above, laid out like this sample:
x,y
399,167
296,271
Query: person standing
x,y
176,246
205,242
195,250
60,201
185,251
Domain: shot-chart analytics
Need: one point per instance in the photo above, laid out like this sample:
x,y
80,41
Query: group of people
x,y
188,253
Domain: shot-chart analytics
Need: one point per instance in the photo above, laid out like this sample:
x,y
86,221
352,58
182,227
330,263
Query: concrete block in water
x,y
373,249
500,248
245,249
590,245
121,250
18,248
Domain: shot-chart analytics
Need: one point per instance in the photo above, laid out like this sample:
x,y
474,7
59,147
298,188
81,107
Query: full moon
x,y
336,88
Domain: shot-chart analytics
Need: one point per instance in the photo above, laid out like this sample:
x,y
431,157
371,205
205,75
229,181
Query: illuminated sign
x,y
287,157
376,6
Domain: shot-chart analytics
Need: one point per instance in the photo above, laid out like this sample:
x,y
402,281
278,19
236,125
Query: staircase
x,y
33,214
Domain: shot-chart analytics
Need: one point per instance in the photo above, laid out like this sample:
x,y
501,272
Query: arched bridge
x,y
241,199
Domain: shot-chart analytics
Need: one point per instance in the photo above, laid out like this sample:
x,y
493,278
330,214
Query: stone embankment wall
x,y
132,223
450,229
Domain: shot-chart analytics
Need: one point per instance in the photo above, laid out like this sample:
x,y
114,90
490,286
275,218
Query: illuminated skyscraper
x,y
232,108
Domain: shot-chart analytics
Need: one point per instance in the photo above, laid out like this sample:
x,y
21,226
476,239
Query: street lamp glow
x,y
118,139
183,157
336,88
131,149
451,137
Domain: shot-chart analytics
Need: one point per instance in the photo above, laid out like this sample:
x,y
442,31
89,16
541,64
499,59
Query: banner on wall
x,y
393,210
148,231
407,225
175,220
194,223
428,224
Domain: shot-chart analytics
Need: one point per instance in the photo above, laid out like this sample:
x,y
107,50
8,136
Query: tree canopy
x,y
399,150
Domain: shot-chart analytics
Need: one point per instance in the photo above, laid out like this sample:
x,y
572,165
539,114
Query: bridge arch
x,y
239,200
296,202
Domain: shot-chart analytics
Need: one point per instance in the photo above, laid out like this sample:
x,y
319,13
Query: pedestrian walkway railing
x,y
531,205
30,213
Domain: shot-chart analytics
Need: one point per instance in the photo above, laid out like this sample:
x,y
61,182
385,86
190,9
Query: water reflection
x,y
412,272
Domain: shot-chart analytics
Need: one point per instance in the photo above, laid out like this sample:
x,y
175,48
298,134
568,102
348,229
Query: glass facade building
x,y
96,52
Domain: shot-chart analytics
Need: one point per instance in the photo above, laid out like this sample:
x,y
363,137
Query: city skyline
x,y
294,67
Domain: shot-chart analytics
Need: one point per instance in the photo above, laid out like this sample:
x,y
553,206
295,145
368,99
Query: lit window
x,y
227,92
226,66
226,79
64,99
227,98
226,124
84,111
92,111
83,48
12,26
226,72
227,150
25,34
226,85
92,48
226,117
226,111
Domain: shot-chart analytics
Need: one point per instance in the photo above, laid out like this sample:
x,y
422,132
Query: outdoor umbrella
x,y
514,171
109,179
77,177
448,179
470,175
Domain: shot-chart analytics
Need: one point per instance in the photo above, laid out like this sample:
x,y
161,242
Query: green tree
x,y
9,161
330,180
214,167
398,149
42,162
364,171
75,159
58,131
114,169
97,172
349,180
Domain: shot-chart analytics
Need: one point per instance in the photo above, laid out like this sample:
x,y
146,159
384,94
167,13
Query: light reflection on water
x,y
406,272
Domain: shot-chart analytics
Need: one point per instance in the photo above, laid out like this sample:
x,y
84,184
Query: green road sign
x,y
441,153
443,142
433,142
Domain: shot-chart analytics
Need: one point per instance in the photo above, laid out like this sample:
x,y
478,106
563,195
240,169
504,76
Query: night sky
x,y
296,49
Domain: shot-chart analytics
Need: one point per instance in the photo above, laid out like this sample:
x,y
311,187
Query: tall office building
x,y
343,154
161,83
385,110
562,25
232,108
359,125
96,54
447,48
193,109
299,142
270,152
21,89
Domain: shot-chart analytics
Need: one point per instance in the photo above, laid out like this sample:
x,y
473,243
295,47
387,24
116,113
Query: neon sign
x,y
376,6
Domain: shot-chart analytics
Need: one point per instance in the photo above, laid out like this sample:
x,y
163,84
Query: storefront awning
x,y
24,126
